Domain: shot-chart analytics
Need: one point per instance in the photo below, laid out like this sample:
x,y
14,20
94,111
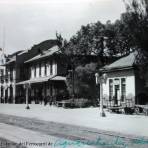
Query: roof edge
x,y
116,69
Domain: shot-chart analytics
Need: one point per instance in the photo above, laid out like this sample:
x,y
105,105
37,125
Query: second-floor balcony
x,y
6,78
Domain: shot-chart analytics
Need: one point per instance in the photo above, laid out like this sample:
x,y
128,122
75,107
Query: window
x,y
2,91
117,82
6,71
35,71
123,89
31,71
40,69
45,70
2,72
110,89
11,74
51,67
1,76
6,76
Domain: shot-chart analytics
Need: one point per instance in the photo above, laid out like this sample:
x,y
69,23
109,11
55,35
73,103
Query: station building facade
x,y
42,67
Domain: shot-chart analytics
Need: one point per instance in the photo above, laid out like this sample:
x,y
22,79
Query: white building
x,y
124,82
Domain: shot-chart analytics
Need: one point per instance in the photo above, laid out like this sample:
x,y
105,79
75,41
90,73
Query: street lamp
x,y
100,80
97,78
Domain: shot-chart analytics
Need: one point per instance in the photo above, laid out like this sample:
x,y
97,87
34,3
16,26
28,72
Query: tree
x,y
118,40
138,26
126,35
98,40
87,41
136,20
84,81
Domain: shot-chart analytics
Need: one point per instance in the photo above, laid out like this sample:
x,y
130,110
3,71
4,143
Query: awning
x,y
42,79
58,78
22,82
9,62
36,80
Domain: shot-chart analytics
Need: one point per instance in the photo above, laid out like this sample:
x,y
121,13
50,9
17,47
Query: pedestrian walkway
x,y
31,139
135,125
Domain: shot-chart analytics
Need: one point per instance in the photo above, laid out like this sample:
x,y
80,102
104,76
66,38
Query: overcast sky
x,y
28,22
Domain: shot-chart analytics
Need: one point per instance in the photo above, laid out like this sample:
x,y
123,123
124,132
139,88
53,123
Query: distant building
x,y
15,71
46,76
8,78
124,82
39,73
2,73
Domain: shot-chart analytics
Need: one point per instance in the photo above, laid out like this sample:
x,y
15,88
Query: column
x,y
14,93
113,102
4,93
8,91
27,96
120,89
14,86
102,113
0,95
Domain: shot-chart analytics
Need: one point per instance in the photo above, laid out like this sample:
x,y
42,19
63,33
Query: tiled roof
x,y
124,62
49,52
24,51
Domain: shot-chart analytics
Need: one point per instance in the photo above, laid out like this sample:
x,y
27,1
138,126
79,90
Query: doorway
x,y
117,94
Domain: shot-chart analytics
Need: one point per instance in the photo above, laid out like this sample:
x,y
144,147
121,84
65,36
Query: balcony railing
x,y
1,79
6,78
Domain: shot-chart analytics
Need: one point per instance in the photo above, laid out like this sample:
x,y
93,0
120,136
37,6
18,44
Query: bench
x,y
116,109
64,103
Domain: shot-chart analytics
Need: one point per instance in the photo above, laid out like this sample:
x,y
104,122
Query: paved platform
x,y
32,139
88,117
